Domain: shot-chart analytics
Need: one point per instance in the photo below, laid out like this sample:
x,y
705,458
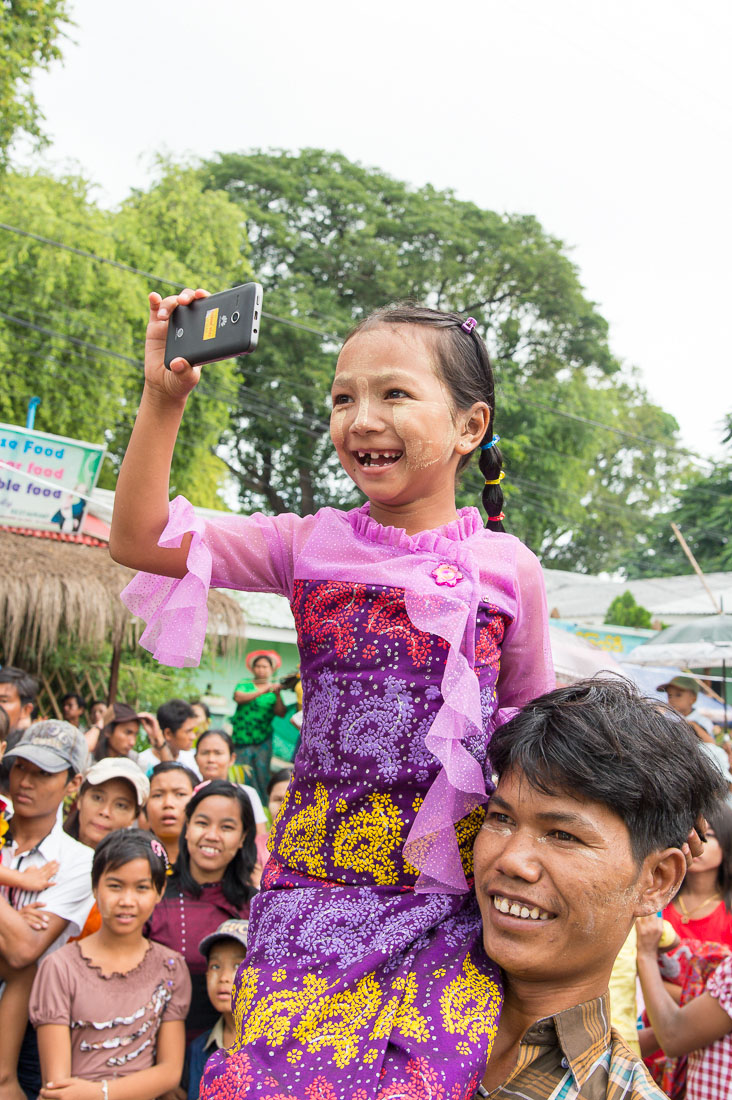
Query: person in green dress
x,y
257,702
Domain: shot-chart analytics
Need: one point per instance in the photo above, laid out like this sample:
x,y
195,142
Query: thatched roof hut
x,y
51,588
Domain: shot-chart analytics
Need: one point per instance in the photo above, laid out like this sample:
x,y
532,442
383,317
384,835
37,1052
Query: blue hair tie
x,y
487,446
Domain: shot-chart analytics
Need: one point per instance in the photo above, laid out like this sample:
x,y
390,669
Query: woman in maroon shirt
x,y
702,909
210,883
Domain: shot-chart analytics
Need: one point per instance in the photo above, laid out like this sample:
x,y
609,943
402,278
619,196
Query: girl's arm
x,y
141,496
33,879
678,1030
145,1084
54,1048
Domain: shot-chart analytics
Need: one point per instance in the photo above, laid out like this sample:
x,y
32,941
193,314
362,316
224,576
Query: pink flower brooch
x,y
448,574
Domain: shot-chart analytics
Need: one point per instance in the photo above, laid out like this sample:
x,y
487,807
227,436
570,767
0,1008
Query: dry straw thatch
x,y
50,589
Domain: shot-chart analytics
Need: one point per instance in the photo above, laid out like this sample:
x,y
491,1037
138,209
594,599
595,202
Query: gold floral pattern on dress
x,y
246,992
336,1020
303,840
470,1004
272,1016
400,1013
365,840
467,830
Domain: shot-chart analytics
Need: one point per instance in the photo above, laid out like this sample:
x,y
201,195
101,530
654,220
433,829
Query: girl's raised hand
x,y
648,932
177,382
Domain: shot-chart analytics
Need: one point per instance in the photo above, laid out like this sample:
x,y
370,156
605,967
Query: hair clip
x,y
201,785
468,325
496,519
487,446
497,480
159,850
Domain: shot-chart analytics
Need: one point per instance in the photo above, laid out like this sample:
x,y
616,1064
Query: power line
x,y
149,275
330,336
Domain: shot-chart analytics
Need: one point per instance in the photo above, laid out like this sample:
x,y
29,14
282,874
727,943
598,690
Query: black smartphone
x,y
219,327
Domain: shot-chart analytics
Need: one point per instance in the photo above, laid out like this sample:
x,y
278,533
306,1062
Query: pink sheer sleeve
x,y
251,553
526,660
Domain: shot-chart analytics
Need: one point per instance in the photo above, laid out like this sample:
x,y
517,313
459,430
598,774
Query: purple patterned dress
x,y
365,977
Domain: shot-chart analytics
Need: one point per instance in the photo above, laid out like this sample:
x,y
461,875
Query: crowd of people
x,y
125,886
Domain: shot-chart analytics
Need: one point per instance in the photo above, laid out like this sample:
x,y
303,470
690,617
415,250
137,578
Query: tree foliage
x,y
72,328
624,611
29,33
332,240
702,510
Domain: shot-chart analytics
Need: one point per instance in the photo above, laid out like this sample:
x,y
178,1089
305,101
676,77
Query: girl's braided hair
x,y
463,364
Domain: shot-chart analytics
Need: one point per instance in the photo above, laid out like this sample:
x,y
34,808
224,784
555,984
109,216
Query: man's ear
x,y
73,785
662,875
168,733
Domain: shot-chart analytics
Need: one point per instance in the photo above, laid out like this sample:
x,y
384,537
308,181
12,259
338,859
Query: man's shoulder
x,y
70,852
628,1077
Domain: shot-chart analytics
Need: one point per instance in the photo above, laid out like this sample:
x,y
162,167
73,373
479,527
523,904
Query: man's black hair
x,y
173,766
124,845
74,695
601,740
236,883
25,684
173,714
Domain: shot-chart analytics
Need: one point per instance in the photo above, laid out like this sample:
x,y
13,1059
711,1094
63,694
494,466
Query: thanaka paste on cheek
x,y
420,453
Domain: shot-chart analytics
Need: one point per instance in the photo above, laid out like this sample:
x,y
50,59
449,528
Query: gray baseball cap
x,y
52,746
232,929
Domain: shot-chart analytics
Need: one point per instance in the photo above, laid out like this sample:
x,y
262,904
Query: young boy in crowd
x,y
225,951
178,723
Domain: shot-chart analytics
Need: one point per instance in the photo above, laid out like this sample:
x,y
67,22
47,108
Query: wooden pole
x,y
114,672
696,568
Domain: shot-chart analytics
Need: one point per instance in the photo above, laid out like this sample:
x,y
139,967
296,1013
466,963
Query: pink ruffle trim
x,y
175,609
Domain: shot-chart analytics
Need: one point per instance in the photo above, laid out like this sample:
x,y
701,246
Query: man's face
x,y
72,711
182,739
14,708
36,793
557,884
680,699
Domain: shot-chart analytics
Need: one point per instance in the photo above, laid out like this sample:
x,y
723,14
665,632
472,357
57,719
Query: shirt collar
x,y
583,1033
216,1036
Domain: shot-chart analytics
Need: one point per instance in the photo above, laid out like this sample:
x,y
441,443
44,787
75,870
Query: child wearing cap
x,y
224,951
681,693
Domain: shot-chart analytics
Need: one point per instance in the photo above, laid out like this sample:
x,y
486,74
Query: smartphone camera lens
x,y
235,316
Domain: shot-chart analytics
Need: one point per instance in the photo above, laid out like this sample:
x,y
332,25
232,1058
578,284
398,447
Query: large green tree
x,y
29,33
72,327
332,240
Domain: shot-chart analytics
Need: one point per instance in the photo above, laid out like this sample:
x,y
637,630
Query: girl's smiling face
x,y
214,834
394,424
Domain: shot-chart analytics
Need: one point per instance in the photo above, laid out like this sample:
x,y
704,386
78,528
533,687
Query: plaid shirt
x,y
576,1055
709,1072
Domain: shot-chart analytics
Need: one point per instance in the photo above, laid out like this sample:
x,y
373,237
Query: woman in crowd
x,y
277,789
111,797
214,757
112,794
258,701
210,883
109,1011
701,1029
702,909
171,788
203,716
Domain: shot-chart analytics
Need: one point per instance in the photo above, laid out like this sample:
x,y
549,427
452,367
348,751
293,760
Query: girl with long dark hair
x,y
210,883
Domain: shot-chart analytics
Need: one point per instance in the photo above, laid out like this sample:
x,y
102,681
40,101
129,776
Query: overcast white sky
x,y
609,122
